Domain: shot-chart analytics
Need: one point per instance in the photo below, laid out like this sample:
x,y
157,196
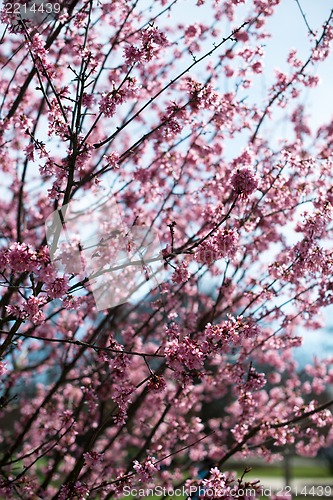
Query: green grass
x,y
297,471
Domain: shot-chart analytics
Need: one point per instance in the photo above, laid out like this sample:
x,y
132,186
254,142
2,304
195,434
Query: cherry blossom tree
x,y
166,114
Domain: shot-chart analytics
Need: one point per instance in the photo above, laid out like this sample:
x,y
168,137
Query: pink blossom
x,y
184,353
192,31
21,257
112,159
92,458
107,105
207,252
87,100
152,39
77,490
157,383
3,368
226,242
244,182
37,47
181,274
32,307
242,36
147,469
133,54
57,288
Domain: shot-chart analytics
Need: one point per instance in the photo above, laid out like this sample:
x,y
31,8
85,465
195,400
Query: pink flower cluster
x,y
185,353
255,380
157,383
31,309
40,54
181,274
244,182
222,245
92,458
57,288
152,39
112,159
146,470
20,258
3,368
231,332
78,490
216,483
226,242
111,100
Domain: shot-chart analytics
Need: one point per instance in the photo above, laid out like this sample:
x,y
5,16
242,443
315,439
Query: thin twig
x,y
304,17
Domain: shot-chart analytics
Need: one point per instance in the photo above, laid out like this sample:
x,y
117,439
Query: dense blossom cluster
x,y
152,39
200,368
244,182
